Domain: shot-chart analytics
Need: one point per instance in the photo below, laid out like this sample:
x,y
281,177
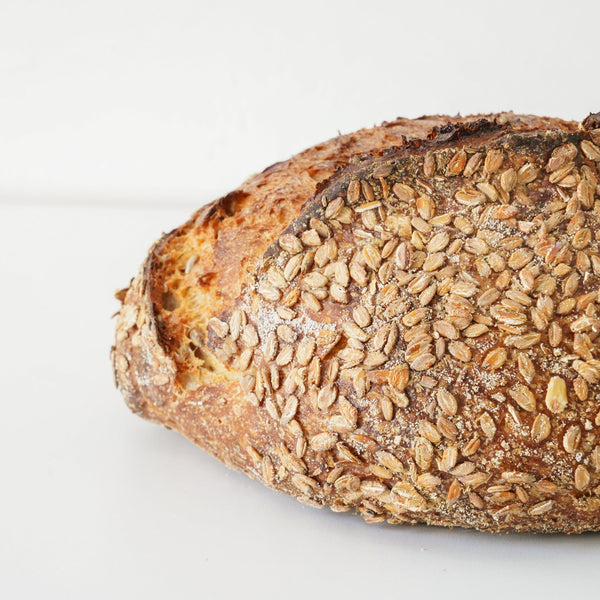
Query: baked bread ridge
x,y
285,438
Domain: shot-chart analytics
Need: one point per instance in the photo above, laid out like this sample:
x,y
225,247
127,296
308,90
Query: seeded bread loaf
x,y
401,321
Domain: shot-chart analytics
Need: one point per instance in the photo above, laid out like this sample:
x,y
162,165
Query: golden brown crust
x,y
427,411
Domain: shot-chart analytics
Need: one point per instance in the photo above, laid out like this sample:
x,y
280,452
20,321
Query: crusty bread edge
x,y
143,370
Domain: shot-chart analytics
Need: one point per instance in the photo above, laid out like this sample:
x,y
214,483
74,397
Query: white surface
x,y
180,100
117,119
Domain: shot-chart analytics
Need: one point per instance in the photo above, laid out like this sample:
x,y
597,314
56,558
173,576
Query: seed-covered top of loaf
x,y
435,312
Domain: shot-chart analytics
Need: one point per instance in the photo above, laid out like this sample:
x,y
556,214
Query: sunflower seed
x,y
323,441
572,438
527,174
460,351
367,206
449,459
524,397
220,328
494,359
334,207
540,508
590,150
447,402
469,197
311,238
475,330
311,302
487,425
429,431
556,394
423,450
493,161
471,447
354,191
289,410
582,478
290,243
508,180
305,351
285,355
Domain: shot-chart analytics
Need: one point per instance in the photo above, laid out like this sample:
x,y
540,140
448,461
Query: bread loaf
x,y
402,321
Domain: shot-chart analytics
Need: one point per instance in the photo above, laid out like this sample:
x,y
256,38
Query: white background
x,y
117,120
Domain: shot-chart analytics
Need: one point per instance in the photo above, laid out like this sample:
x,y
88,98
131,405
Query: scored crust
x,y
400,321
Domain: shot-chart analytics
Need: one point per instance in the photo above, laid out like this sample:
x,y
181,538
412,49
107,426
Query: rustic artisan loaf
x,y
402,321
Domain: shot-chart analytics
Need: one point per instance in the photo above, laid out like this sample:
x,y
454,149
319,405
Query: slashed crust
x,y
193,335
